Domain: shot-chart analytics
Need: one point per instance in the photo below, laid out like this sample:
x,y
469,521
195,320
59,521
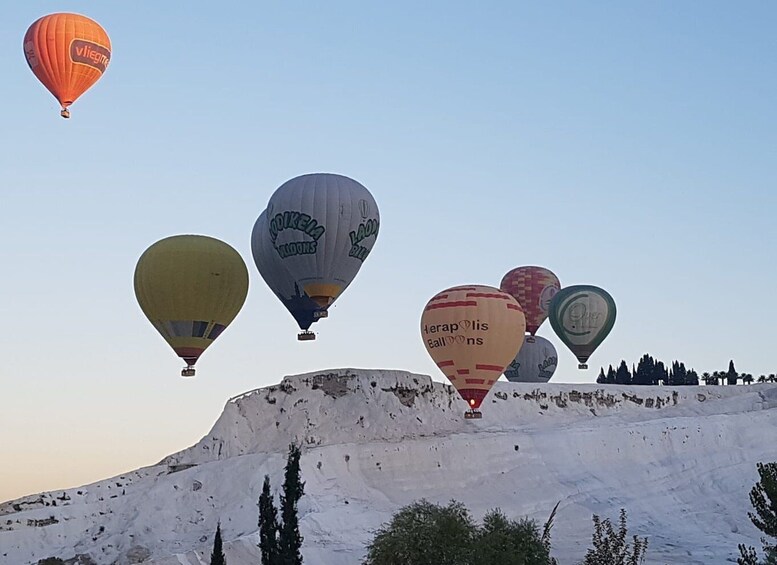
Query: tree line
x,y
649,371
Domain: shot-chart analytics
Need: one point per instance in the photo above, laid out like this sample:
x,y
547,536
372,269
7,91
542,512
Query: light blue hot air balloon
x,y
269,265
535,363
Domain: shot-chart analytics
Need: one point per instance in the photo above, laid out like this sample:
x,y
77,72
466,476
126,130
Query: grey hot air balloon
x,y
269,265
535,363
322,227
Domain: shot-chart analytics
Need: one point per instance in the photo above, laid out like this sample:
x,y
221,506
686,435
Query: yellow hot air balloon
x,y
472,333
190,287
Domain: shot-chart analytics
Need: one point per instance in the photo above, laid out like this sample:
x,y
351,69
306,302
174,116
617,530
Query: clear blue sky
x,y
627,145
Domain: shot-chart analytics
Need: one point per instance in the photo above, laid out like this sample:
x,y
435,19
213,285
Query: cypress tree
x,y
731,374
610,376
678,374
290,540
217,557
268,526
655,376
645,370
660,373
601,379
636,374
683,380
622,375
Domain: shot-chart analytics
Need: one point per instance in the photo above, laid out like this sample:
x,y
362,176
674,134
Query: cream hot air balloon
x,y
472,333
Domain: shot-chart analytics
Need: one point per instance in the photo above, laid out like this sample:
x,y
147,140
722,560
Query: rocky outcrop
x,y
374,440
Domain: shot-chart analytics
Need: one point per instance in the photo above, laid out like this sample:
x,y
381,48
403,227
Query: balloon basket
x,y
187,372
65,113
306,336
582,366
472,415
530,339
320,314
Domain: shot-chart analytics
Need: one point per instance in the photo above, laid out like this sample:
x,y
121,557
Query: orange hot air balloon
x,y
473,333
68,53
532,287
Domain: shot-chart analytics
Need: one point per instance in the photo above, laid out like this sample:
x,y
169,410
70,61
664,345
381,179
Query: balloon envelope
x,y
270,266
322,226
533,288
68,53
535,363
190,287
582,316
472,333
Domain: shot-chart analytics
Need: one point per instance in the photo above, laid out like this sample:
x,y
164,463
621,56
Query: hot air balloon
x,y
533,288
535,363
68,53
582,316
322,227
190,287
270,266
472,333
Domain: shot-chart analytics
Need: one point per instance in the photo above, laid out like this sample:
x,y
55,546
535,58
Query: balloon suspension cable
x,y
65,113
187,371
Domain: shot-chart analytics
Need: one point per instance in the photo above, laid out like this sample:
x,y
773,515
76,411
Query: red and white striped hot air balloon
x,y
533,287
472,333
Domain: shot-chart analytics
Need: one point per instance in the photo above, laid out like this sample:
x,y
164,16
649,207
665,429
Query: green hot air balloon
x,y
582,316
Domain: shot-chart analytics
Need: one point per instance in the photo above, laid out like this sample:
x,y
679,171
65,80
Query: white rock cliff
x,y
681,460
